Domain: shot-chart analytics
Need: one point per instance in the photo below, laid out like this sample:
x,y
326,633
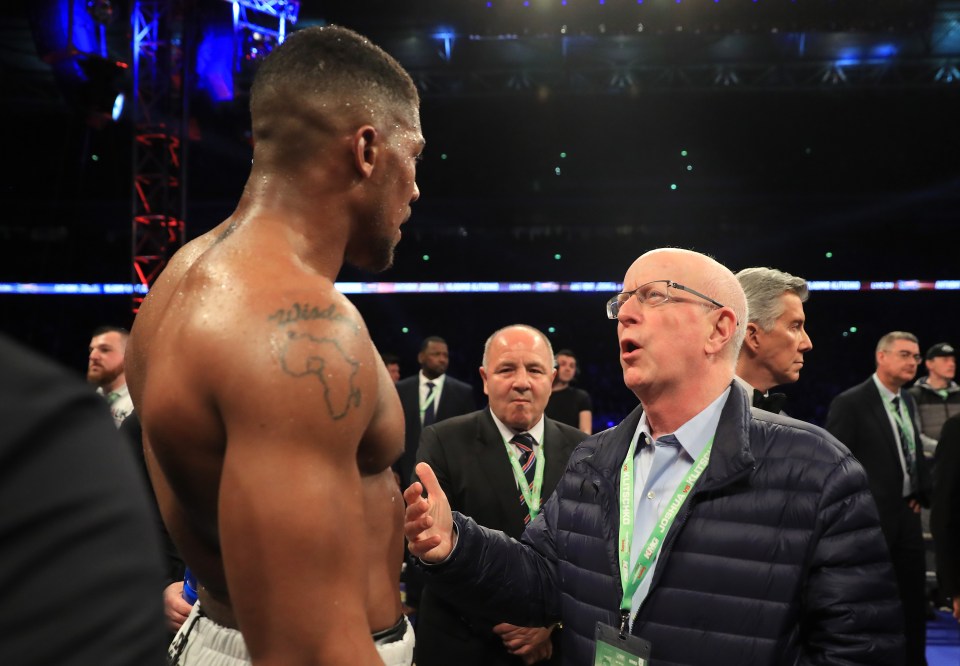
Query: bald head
x,y
706,275
505,337
680,334
517,375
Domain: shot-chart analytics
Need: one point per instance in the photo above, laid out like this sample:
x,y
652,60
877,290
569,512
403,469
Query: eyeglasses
x,y
653,294
905,355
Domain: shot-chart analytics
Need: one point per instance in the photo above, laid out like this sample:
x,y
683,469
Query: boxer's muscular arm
x,y
291,514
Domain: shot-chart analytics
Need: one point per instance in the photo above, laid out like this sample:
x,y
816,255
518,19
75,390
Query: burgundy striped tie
x,y
528,462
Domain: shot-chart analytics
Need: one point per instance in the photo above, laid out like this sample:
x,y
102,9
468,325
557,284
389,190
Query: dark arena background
x,y
565,138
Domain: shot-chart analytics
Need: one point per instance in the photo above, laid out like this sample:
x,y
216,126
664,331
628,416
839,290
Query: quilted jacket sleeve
x,y
851,611
503,580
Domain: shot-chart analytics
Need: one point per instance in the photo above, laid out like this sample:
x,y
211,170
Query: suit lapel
x,y
444,400
881,417
495,463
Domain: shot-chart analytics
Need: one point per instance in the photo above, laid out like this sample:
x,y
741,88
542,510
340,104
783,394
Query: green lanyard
x,y
430,400
631,579
908,434
530,495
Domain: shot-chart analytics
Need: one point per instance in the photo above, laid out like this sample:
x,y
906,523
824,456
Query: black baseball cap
x,y
940,349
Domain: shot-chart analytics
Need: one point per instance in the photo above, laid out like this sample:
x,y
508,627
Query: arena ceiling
x,y
771,131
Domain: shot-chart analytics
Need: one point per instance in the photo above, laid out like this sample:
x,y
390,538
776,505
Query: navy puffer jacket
x,y
776,558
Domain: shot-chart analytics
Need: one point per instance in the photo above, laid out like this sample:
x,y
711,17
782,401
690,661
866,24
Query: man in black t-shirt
x,y
568,404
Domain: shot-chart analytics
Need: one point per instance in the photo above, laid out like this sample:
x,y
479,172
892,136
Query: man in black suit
x,y
427,397
497,465
878,422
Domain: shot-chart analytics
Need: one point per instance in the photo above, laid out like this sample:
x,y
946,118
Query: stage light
x,y
101,95
118,107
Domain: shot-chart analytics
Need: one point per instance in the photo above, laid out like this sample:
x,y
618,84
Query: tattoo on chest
x,y
303,355
305,312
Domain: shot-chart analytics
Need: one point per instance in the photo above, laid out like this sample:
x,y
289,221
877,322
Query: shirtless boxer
x,y
265,405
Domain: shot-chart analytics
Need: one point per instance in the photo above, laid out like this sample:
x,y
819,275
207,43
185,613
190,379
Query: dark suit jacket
x,y
468,456
456,398
945,517
858,418
81,576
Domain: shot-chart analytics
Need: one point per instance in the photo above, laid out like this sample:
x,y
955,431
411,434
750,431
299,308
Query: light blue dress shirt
x,y
651,496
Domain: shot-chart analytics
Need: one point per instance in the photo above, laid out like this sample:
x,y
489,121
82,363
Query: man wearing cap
x,y
937,395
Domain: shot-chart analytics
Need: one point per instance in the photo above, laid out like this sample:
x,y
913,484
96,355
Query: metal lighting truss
x,y
279,10
159,100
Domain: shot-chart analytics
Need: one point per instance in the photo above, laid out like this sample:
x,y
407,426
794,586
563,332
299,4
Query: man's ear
x,y
751,340
366,149
722,332
483,376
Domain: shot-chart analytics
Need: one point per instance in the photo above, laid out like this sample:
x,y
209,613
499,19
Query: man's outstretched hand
x,y
428,523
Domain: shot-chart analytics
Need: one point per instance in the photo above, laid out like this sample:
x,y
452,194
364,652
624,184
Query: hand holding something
x,y
175,608
532,644
428,523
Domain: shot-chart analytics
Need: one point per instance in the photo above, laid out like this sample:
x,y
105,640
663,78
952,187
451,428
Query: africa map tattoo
x,y
303,354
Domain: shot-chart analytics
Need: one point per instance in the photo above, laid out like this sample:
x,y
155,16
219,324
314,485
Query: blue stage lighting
x,y
118,107
884,51
215,65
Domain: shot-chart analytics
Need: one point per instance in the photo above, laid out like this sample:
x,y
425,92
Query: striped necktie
x,y
528,462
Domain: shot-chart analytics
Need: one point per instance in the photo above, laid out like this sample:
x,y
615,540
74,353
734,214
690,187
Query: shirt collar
x,y
747,386
122,391
536,431
886,393
438,382
695,433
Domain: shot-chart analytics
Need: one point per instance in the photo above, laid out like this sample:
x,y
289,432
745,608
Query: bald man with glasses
x,y
697,531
